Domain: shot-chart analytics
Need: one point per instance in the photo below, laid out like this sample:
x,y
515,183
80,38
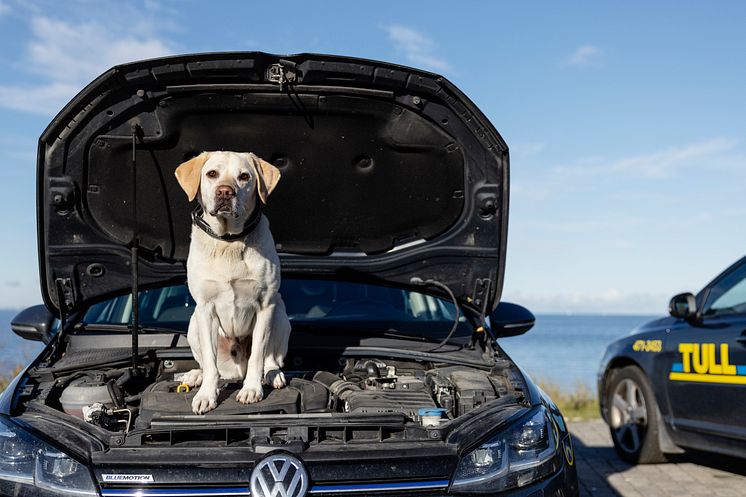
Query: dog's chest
x,y
219,279
237,284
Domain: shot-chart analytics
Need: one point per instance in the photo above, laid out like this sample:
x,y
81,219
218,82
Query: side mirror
x,y
683,306
509,320
34,323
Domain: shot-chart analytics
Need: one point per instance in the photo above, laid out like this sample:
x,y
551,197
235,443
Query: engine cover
x,y
404,396
163,400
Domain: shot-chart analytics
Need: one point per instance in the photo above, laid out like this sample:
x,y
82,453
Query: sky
x,y
625,120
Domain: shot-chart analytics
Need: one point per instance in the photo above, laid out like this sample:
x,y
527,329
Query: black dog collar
x,y
248,227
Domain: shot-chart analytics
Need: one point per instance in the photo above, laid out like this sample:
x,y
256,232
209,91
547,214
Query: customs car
x,y
679,382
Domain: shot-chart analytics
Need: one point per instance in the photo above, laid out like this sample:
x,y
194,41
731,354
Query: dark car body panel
x,y
699,407
425,174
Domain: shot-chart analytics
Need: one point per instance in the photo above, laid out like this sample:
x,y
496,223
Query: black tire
x,y
633,416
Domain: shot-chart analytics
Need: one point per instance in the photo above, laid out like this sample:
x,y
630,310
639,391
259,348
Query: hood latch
x,y
282,73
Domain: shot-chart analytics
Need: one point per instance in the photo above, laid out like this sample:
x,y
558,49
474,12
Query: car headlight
x,y
30,466
524,452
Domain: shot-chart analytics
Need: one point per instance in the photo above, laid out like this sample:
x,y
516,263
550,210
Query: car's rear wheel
x,y
633,416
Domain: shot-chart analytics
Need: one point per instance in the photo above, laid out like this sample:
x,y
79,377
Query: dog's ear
x,y
267,177
188,174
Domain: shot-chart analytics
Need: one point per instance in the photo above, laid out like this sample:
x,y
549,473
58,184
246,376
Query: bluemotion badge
x,y
125,478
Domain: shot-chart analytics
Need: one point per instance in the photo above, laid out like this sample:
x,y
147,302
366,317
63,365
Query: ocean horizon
x,y
564,349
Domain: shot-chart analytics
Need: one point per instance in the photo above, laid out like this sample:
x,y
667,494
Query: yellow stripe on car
x,y
707,378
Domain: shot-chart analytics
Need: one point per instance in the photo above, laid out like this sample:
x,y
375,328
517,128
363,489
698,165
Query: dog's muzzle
x,y
225,197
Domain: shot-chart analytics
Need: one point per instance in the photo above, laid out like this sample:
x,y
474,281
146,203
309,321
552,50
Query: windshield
x,y
311,303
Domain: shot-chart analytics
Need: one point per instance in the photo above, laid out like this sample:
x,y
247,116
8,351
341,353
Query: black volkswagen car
x,y
390,221
680,382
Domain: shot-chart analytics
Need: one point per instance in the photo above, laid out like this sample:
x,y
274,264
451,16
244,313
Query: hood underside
x,y
387,173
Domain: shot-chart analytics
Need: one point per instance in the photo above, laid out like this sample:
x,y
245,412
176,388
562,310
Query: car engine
x,y
118,400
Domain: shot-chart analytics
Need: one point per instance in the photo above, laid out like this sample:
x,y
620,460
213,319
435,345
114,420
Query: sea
x,y
14,351
564,350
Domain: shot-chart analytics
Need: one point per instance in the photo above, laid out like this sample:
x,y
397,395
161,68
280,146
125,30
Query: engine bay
x,y
421,394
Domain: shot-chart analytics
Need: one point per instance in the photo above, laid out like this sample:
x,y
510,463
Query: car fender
x,y
618,355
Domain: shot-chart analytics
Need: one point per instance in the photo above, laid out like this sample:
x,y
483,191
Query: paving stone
x,y
603,474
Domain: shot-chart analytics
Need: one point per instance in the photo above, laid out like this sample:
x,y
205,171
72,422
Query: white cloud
x,y
42,99
416,47
526,150
604,301
661,164
71,53
68,55
586,55
4,8
665,163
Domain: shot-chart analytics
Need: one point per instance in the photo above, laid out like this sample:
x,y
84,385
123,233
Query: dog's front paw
x,y
193,378
204,401
276,378
250,393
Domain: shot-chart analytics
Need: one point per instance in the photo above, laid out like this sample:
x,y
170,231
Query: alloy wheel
x,y
629,417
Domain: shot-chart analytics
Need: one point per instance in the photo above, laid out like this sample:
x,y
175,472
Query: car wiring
x,y
444,287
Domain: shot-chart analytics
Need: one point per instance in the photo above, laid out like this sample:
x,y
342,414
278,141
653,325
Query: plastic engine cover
x,y
407,398
162,400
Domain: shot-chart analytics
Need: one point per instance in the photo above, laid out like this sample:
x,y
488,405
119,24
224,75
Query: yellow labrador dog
x,y
233,273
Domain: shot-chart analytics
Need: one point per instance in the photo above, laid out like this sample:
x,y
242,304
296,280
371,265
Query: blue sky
x,y
625,120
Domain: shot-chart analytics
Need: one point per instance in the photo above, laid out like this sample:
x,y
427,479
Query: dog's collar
x,y
248,226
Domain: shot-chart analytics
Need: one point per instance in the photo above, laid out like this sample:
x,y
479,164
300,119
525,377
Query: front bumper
x,y
563,483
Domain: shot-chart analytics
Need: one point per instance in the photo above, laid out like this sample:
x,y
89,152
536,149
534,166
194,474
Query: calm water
x,y
563,349
566,349
14,351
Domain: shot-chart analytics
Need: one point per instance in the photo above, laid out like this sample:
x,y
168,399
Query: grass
x,y
8,377
578,404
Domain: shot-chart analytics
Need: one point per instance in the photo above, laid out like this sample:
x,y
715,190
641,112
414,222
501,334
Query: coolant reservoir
x,y
84,392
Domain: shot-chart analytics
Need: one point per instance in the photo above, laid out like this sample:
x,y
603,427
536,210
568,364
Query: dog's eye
x,y
244,177
212,174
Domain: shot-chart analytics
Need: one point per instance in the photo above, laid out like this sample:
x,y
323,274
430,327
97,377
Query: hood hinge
x,y
482,333
65,294
481,293
65,299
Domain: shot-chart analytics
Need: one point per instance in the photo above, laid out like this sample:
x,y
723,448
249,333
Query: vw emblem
x,y
280,475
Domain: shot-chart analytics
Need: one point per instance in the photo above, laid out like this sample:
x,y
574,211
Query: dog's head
x,y
227,183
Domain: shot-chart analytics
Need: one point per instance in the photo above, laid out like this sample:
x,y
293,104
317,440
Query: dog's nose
x,y
225,192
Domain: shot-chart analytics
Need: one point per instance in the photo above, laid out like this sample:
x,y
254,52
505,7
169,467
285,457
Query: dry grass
x,y
576,405
7,378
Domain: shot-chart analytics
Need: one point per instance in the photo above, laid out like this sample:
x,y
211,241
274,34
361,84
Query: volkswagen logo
x,y
279,475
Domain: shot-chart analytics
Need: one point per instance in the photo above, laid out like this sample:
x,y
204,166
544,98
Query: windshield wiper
x,y
413,354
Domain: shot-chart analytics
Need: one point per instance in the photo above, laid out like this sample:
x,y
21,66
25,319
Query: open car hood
x,y
387,173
